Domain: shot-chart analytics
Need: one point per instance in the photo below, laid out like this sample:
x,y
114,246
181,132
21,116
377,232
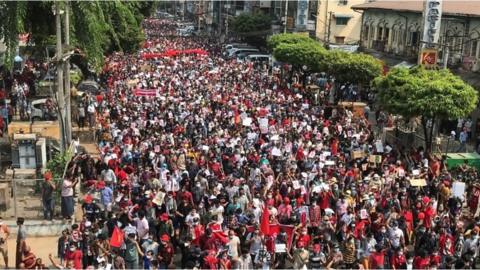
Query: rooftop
x,y
450,7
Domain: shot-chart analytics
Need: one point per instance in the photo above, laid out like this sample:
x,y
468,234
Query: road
x,y
41,247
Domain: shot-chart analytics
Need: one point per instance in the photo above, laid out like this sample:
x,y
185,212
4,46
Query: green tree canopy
x,y
352,67
96,27
251,24
298,54
287,38
429,94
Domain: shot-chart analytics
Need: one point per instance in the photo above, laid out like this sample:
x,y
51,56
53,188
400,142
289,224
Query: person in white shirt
x,y
217,210
142,226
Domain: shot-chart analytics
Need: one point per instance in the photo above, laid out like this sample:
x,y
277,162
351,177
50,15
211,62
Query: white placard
x,y
276,152
247,122
329,162
458,189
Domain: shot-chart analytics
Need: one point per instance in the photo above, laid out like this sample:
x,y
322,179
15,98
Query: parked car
x,y
40,112
89,86
235,52
258,57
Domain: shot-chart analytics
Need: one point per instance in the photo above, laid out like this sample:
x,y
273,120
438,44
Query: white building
x,y
395,27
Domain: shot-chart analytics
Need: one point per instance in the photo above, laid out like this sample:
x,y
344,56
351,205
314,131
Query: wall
x,y
393,32
351,31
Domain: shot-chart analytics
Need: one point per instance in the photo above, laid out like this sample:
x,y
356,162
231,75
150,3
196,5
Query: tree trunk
x,y
425,132
431,135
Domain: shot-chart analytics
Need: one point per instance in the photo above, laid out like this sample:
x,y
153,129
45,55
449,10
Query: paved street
x,y
41,247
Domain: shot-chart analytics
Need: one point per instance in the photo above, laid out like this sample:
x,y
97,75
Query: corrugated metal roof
x,y
450,7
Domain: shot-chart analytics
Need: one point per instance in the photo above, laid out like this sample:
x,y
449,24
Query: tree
x,y
96,27
310,54
252,27
287,38
429,94
358,68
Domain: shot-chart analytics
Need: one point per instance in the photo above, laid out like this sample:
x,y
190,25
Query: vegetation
x,y
429,94
254,27
96,27
58,164
288,38
299,50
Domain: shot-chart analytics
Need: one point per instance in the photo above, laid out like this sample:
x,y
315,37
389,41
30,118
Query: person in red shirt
x,y
74,255
398,260
422,261
377,258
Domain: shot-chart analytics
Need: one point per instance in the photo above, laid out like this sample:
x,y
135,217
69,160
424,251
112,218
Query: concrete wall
x,y
49,129
351,31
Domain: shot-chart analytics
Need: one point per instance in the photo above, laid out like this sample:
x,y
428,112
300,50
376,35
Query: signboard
x,y
428,58
432,17
458,189
302,12
418,182
265,4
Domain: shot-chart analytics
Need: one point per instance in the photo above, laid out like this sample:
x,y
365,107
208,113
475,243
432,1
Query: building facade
x,y
337,22
396,28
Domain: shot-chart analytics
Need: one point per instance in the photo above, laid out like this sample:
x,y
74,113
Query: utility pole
x,y
330,13
66,64
60,97
286,14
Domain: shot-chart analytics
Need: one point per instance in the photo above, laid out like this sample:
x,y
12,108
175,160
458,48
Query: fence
x,y
23,198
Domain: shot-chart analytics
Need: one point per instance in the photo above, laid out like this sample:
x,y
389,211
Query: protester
x,y
211,163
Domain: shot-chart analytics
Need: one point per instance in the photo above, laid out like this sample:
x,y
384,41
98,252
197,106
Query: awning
x,y
340,15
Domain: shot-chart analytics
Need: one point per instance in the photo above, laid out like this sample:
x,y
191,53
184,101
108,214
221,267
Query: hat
x,y
47,175
164,217
300,201
100,184
365,197
425,200
165,238
376,176
88,198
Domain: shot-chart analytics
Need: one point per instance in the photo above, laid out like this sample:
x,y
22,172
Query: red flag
x,y
265,222
237,117
117,238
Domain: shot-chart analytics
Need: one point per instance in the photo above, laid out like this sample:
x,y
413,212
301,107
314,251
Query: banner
x,y
145,92
171,53
432,19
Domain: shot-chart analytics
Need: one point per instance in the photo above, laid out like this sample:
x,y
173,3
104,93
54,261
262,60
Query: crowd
x,y
211,163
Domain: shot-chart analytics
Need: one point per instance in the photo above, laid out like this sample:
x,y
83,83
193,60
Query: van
x,y
234,45
229,51
234,53
259,57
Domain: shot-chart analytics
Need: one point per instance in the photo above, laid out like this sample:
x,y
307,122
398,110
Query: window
x,y
386,34
401,37
341,20
339,40
413,39
473,48
365,33
379,33
372,33
343,2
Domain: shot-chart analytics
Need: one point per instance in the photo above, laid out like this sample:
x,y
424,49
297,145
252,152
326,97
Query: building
x,y
395,28
337,23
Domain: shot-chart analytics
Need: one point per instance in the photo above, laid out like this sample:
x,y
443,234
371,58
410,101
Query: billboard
x,y
302,14
432,18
